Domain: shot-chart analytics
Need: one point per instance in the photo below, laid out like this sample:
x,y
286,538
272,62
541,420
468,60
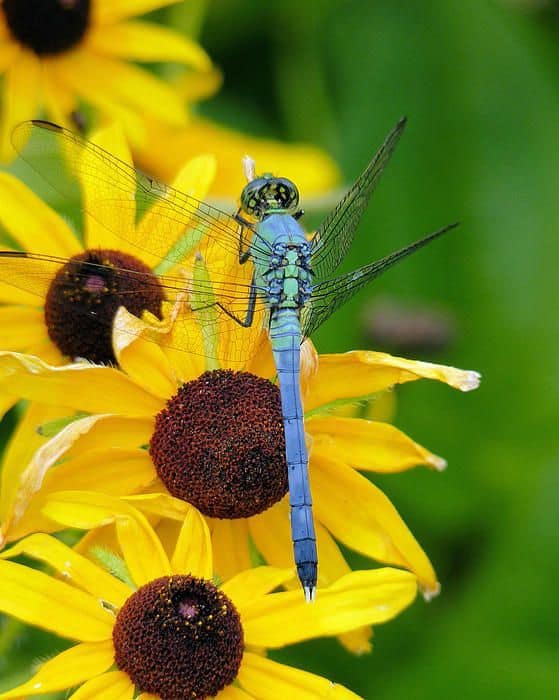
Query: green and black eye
x,y
267,194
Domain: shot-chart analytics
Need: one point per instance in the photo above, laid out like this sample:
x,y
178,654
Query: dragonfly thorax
x,y
269,195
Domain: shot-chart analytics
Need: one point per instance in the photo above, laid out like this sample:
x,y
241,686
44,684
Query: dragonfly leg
x,y
247,321
244,250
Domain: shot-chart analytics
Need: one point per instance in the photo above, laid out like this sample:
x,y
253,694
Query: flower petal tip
x,y
438,463
470,381
431,592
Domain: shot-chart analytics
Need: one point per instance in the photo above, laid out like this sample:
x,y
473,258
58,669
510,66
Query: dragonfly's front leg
x,y
247,321
244,254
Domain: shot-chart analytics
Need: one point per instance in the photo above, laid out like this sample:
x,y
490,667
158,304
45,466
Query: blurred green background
x,y
479,82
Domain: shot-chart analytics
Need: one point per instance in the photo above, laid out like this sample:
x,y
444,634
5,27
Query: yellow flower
x,y
170,630
315,173
55,53
160,398
35,317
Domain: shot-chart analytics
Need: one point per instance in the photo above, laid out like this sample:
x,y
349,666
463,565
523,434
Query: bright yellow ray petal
x,y
97,76
312,169
142,551
231,692
368,445
67,669
99,186
48,352
230,546
20,93
108,11
15,295
59,102
358,599
144,361
193,550
162,505
252,584
8,53
359,514
32,223
114,431
274,681
21,326
147,696
78,386
38,599
144,41
361,373
73,567
6,402
114,685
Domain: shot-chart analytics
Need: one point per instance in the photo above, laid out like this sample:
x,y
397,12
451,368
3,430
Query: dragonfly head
x,y
269,195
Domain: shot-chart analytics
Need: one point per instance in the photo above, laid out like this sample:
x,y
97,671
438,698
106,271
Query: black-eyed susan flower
x,y
55,54
215,440
169,630
67,309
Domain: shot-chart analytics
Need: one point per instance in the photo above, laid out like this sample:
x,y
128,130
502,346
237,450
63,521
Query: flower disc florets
x,y
47,26
179,637
219,444
85,295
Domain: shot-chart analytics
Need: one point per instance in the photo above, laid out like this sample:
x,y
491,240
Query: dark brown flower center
x,y
85,295
47,26
219,444
179,637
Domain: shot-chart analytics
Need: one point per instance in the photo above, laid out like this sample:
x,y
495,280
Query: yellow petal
x,y
160,504
32,223
358,599
67,669
231,692
314,172
358,514
254,583
143,41
59,102
230,540
141,359
109,229
361,373
142,551
114,431
193,551
38,599
20,326
79,386
108,11
369,445
8,52
20,93
100,77
73,567
274,681
6,402
114,685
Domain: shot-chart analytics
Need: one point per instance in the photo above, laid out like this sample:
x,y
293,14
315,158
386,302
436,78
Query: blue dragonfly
x,y
261,269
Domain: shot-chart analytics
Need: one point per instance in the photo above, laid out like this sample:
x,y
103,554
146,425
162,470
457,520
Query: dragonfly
x,y
263,271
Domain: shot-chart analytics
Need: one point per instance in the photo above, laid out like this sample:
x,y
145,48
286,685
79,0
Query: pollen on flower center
x,y
47,26
219,444
179,637
85,295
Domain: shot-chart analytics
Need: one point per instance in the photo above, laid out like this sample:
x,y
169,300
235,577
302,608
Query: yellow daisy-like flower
x,y
170,630
54,53
226,426
37,319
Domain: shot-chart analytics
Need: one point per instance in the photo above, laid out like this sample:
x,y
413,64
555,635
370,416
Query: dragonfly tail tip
x,y
310,593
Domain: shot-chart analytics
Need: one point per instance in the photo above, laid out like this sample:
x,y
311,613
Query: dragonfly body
x,y
256,269
285,285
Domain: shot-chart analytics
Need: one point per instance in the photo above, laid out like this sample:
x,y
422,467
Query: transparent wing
x,y
334,237
329,295
206,313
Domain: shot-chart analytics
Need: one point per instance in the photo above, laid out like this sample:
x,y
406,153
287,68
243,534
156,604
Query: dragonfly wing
x,y
118,197
332,240
329,295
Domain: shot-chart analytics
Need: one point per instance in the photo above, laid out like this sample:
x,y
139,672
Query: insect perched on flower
x,y
168,626
258,269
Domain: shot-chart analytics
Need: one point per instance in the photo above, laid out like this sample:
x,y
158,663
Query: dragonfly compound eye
x,y
179,637
219,444
268,195
85,295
